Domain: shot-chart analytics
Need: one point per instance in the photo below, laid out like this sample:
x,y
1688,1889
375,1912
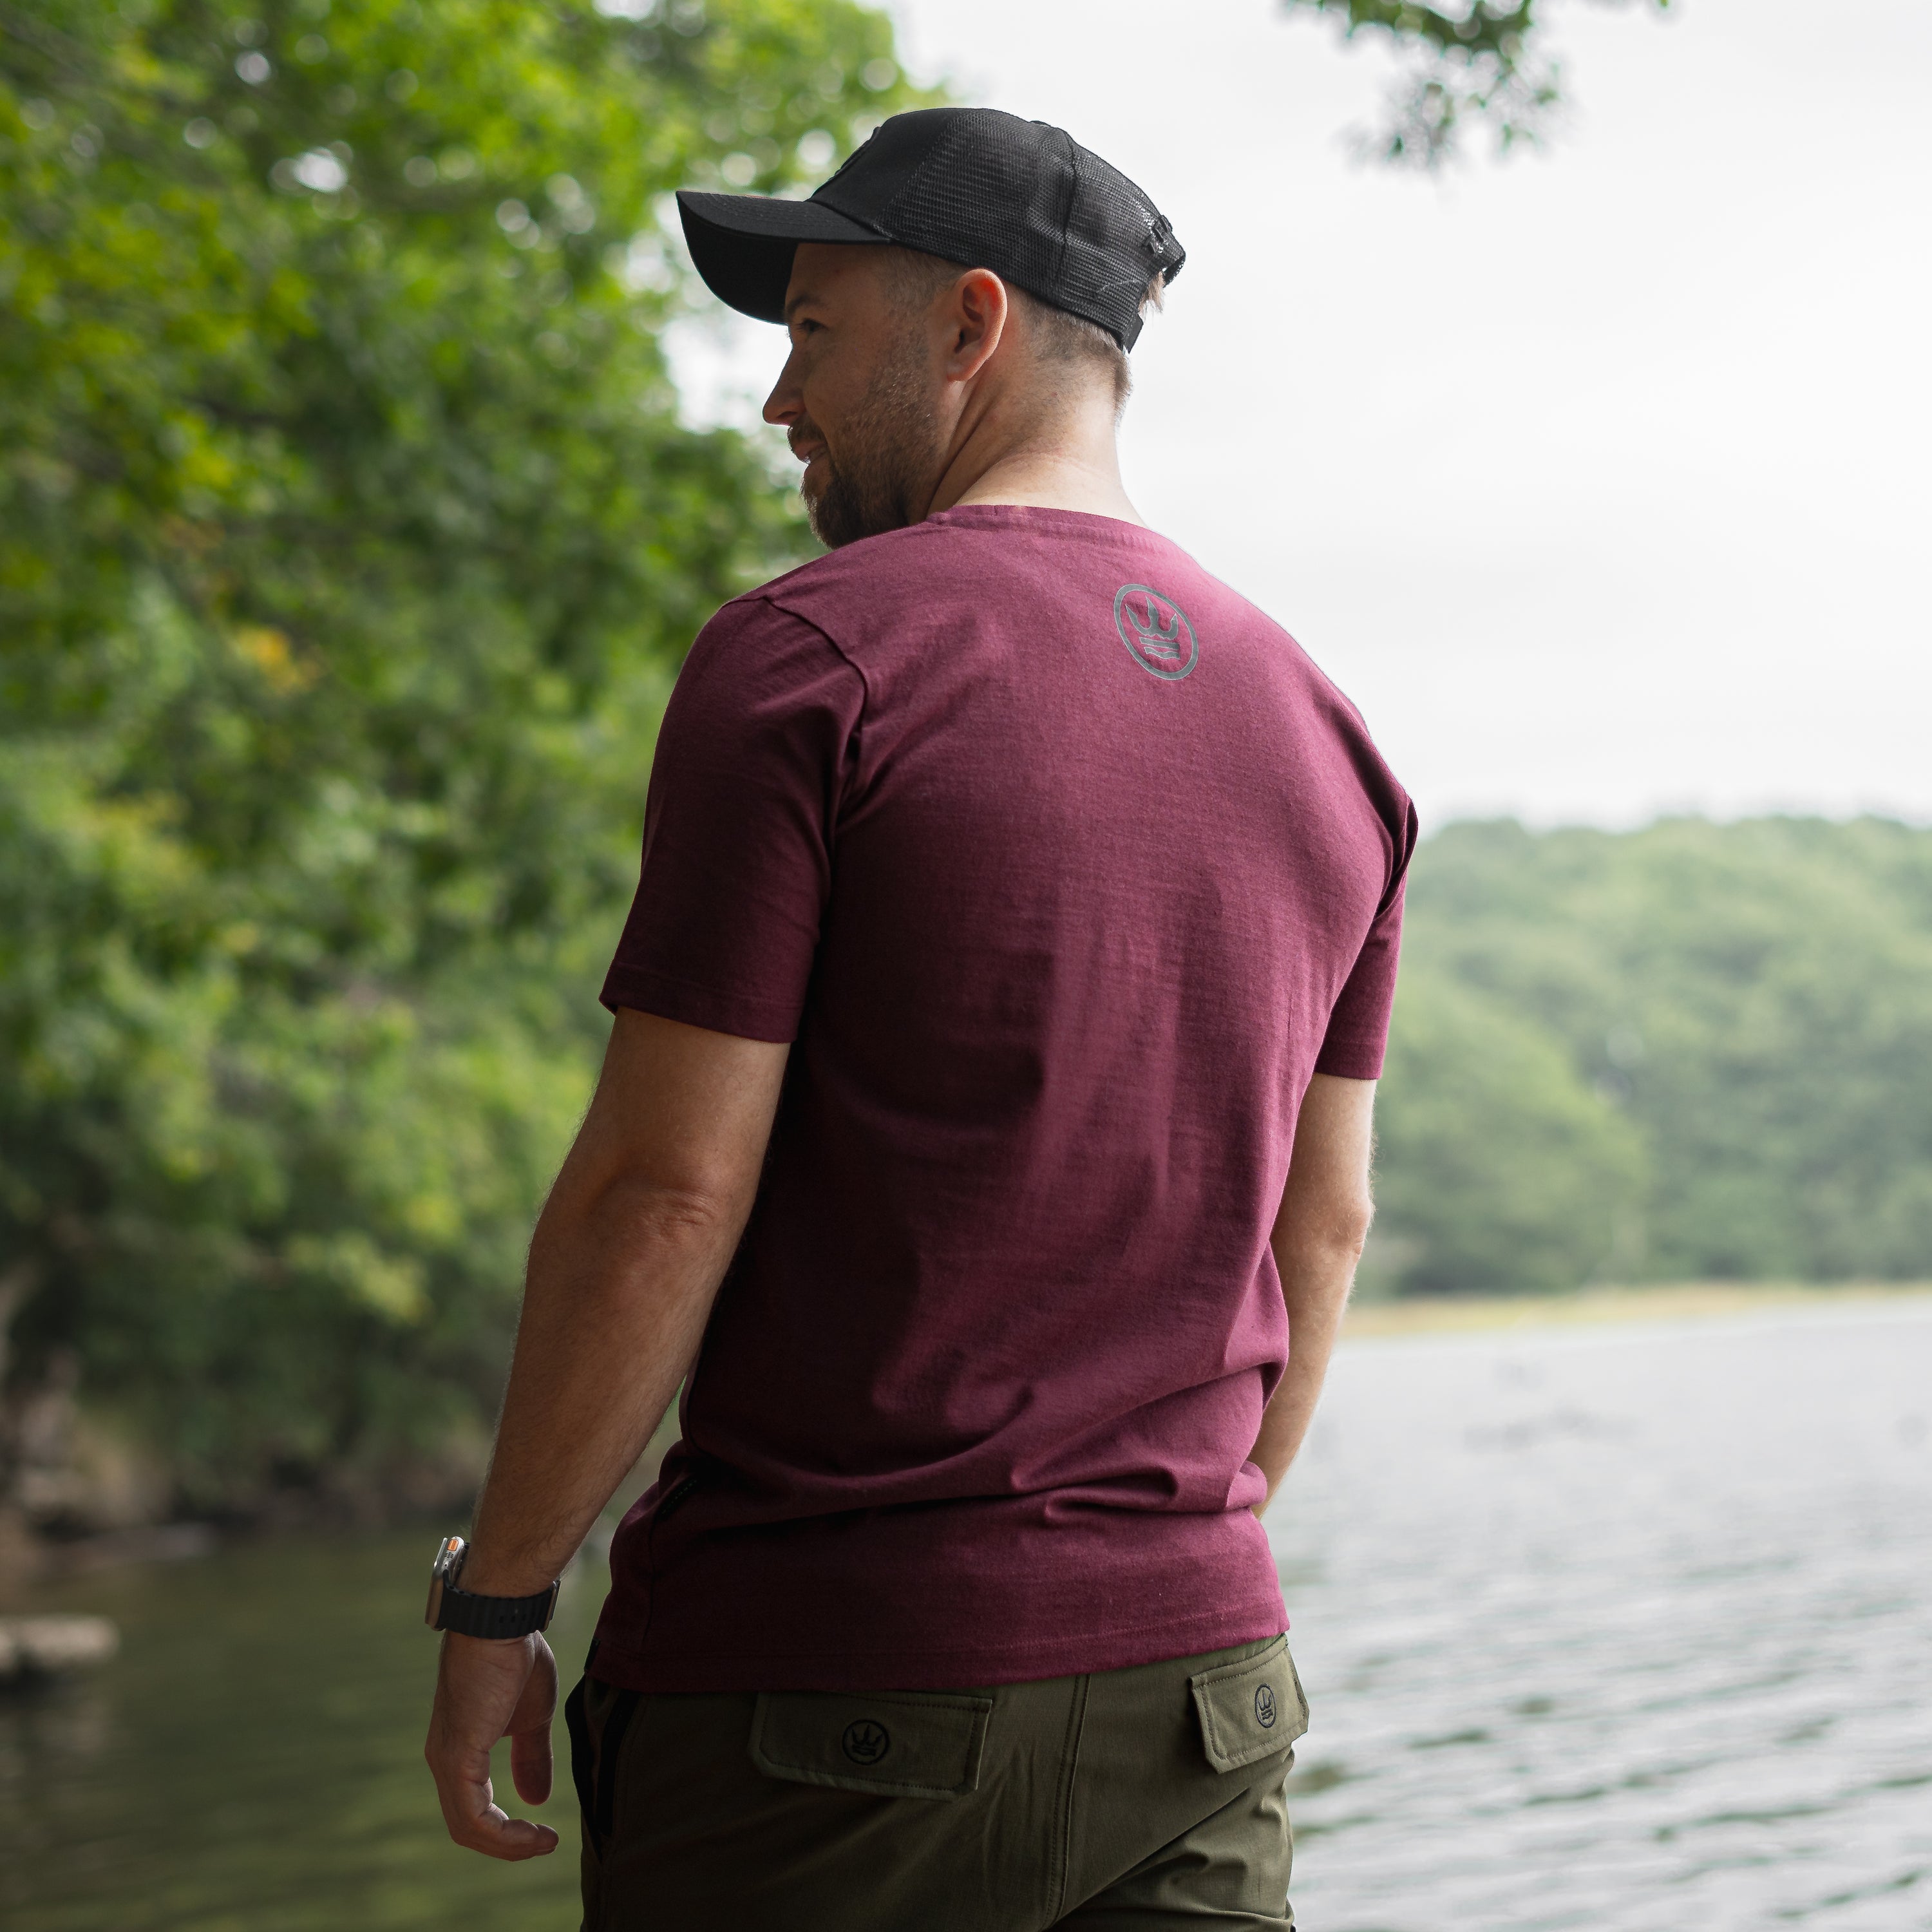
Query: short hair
x,y
1063,336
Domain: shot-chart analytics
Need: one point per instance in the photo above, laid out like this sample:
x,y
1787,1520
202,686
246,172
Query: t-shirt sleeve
x,y
1358,1034
737,862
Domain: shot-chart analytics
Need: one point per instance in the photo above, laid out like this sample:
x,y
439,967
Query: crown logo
x,y
1156,639
1156,631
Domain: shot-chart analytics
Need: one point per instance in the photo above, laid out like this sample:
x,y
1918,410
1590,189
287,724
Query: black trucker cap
x,y
973,185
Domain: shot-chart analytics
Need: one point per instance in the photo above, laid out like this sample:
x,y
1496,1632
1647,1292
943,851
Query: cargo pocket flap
x,y
1251,1708
891,1744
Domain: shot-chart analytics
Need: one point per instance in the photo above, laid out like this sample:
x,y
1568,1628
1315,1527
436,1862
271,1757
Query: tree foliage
x,y
1500,1165
1482,62
348,539
1693,1051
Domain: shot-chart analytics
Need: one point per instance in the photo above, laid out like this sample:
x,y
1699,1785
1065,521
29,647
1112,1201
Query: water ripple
x,y
1619,1629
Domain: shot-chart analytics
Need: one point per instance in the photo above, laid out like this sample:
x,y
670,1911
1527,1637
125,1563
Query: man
x,y
988,1104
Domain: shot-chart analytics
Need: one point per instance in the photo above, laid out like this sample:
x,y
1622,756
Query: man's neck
x,y
1073,465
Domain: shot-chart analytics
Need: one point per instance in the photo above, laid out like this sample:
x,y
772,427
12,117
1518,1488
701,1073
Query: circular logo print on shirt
x,y
866,1742
1264,1706
1156,631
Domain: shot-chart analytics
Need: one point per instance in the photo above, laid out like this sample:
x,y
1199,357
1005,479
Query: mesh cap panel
x,y
971,185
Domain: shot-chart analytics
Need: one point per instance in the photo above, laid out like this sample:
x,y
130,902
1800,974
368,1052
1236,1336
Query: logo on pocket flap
x,y
1250,1709
890,1744
866,1742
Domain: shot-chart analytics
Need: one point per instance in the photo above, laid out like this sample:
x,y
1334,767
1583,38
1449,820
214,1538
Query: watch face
x,y
442,1574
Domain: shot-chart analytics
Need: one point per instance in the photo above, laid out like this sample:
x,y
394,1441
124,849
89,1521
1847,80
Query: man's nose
x,y
784,405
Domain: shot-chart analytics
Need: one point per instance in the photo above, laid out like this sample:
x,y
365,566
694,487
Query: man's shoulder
x,y
808,597
871,567
757,647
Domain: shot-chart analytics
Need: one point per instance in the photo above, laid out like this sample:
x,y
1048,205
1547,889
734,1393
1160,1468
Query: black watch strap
x,y
469,1614
472,1615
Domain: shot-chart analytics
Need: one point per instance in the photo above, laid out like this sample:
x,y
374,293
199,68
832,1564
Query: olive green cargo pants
x,y
1139,1799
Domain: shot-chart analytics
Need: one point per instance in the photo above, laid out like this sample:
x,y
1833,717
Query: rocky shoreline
x,y
35,1650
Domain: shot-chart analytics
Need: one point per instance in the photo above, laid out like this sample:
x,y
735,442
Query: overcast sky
x,y
1597,478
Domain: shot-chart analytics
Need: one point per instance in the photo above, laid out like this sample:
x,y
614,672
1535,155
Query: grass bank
x,y
1668,1302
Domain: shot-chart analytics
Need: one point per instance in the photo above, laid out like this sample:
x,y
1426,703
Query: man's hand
x,y
485,1690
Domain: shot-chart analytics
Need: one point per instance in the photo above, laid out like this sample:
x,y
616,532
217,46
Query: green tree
x,y
1498,1166
349,538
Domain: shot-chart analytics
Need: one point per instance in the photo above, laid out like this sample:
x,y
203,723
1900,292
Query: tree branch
x,y
1482,63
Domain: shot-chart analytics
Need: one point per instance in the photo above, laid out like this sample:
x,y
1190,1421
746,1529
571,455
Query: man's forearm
x,y
1314,1282
620,1285
1317,1240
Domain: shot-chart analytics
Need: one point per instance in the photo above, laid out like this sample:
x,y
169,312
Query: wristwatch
x,y
469,1614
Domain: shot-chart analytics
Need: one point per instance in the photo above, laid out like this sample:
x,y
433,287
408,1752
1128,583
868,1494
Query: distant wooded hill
x,y
1693,1051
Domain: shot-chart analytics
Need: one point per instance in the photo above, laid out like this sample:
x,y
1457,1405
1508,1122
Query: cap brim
x,y
742,244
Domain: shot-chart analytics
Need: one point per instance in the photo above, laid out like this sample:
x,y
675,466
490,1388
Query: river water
x,y
1603,1628
1620,1628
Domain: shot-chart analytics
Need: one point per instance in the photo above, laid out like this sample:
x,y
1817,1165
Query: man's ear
x,y
973,313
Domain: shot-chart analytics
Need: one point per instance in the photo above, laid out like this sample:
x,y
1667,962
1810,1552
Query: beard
x,y
887,458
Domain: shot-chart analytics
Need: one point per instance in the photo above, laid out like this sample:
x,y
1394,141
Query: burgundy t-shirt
x,y
1063,869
